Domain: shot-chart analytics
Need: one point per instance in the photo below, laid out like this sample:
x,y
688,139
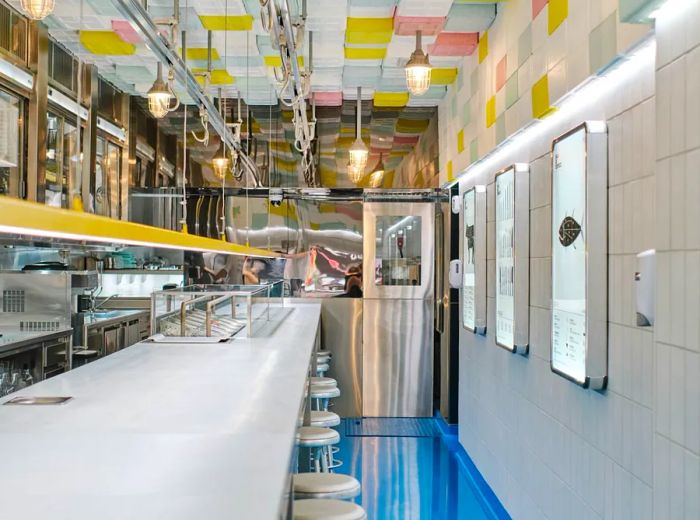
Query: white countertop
x,y
162,431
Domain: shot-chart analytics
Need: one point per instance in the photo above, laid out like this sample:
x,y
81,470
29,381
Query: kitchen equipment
x,y
46,266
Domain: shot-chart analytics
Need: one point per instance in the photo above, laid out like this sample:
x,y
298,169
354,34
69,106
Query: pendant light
x,y
418,70
355,174
37,9
358,150
377,176
220,163
159,96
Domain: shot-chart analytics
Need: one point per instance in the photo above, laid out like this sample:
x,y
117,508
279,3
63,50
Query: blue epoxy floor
x,y
408,477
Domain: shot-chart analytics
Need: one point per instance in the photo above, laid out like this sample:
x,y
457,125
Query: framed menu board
x,y
579,348
512,258
474,259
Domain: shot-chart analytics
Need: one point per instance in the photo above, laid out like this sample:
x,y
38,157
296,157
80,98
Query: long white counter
x,y
163,431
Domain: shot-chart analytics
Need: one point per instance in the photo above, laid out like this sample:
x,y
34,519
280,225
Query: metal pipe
x,y
133,11
358,122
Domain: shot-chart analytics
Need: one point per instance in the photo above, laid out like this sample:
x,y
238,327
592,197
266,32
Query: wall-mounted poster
x,y
512,258
579,255
474,260
469,267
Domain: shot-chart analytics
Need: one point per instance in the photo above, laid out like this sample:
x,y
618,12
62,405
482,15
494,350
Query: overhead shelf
x,y
21,217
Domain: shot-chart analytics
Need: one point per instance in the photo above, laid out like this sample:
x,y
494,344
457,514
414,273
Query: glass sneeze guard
x,y
210,312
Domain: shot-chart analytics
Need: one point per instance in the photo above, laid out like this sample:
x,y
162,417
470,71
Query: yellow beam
x,y
34,219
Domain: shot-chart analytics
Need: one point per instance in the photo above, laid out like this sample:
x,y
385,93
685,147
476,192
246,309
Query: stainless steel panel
x,y
397,358
426,211
46,301
341,328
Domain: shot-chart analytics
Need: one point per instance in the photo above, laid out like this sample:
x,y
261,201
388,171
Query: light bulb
x,y
37,9
220,166
377,176
418,79
358,155
376,179
355,174
158,104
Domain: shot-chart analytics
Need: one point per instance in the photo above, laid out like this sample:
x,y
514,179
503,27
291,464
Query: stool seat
x,y
327,509
324,419
322,367
324,392
323,381
314,436
326,485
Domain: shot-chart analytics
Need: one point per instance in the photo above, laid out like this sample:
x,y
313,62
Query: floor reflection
x,y
408,477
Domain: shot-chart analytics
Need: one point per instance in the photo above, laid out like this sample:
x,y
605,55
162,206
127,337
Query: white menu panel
x,y
505,265
469,261
579,255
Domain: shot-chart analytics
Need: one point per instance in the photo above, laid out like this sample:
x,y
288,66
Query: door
x,y
111,340
397,326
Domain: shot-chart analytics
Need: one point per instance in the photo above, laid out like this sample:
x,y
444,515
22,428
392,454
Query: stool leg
x,y
324,460
317,461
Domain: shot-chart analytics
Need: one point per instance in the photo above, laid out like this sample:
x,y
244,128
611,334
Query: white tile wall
x,y
553,450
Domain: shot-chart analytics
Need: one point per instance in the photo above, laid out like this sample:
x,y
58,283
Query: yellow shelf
x,y
30,218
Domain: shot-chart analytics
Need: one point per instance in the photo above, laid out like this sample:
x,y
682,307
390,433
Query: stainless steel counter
x,y
108,317
16,341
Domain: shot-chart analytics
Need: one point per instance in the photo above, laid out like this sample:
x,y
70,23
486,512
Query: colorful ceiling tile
x,y
454,44
106,43
428,25
227,23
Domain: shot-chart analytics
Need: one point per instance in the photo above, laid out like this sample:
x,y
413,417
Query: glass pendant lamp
x,y
159,96
37,9
358,151
377,176
418,70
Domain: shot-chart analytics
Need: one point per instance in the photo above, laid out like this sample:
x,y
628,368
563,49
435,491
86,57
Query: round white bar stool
x,y
322,394
323,381
326,485
327,509
322,368
324,419
318,440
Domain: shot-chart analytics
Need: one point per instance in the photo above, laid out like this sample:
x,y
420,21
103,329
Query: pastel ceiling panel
x,y
200,53
328,49
390,99
244,66
470,17
235,43
227,23
136,73
351,93
126,32
454,44
106,42
365,53
326,15
393,79
369,31
360,76
328,99
371,8
324,79
422,8
443,76
428,25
